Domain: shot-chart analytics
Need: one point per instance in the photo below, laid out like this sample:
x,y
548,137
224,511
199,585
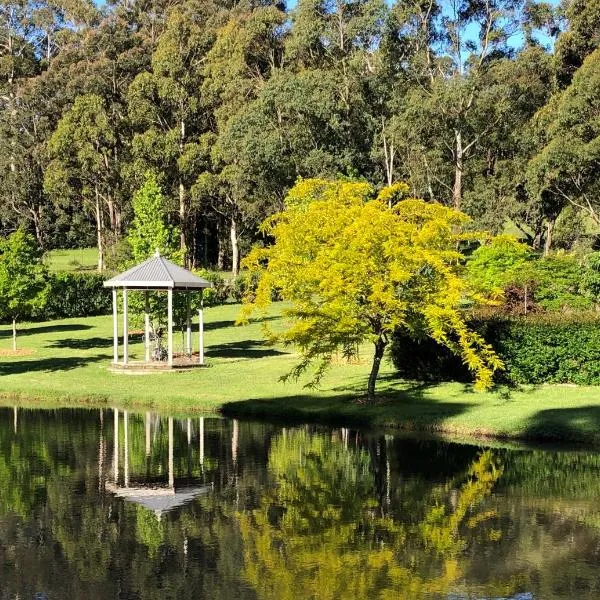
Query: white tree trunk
x,y
458,170
100,233
235,251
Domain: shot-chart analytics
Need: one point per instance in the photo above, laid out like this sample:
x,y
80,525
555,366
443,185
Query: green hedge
x,y
75,295
537,349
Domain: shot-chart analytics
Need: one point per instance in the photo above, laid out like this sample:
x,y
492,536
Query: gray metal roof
x,y
159,500
158,273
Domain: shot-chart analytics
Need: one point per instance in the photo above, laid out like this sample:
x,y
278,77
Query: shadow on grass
x,y
580,424
408,409
214,325
48,365
244,349
44,329
84,343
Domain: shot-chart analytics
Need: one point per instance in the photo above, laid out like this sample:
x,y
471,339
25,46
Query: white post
x,y
189,431
126,424
147,325
188,345
201,330
115,327
202,441
171,474
147,434
125,328
235,437
170,326
116,447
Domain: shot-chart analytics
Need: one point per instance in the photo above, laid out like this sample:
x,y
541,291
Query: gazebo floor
x,y
181,362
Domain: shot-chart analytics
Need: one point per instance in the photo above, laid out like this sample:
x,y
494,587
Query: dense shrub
x,y
219,293
75,295
536,349
552,283
558,283
243,287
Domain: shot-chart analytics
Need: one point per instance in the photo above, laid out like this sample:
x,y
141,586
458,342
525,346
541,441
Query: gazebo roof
x,y
159,500
158,273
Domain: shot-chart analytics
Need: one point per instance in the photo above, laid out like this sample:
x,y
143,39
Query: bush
x,y
537,349
219,293
558,284
75,295
243,287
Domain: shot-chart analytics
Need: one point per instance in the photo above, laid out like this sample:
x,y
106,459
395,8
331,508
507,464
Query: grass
x,y
66,362
77,259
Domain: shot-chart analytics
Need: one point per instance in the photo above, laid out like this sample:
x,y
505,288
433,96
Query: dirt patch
x,y
20,352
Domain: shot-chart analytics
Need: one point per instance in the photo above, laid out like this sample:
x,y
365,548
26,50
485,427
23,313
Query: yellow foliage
x,y
354,270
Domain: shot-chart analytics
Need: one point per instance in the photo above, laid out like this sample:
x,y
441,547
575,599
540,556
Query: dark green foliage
x,y
219,293
75,295
590,281
558,283
555,348
243,287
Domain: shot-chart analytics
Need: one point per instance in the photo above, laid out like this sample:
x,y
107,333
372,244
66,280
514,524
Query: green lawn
x,y
65,362
77,259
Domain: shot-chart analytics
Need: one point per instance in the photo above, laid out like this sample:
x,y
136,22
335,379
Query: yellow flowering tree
x,y
355,269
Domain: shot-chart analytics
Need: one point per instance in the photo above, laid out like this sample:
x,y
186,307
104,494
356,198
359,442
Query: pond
x,y
99,504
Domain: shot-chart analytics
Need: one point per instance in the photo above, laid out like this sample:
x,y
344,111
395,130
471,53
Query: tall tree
x,y
356,270
83,167
22,278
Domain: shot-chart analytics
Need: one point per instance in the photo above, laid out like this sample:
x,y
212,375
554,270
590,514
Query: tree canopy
x,y
355,270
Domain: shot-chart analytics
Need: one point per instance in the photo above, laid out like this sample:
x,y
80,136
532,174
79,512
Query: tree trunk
x,y
14,327
235,251
100,233
182,221
549,231
458,170
380,345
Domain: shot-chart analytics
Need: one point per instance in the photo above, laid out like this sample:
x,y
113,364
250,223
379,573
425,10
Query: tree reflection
x,y
318,532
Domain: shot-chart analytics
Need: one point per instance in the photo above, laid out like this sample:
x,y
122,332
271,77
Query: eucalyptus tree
x,y
83,167
450,48
564,170
166,108
247,51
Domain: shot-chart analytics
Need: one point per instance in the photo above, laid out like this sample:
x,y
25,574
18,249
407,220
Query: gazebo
x,y
157,274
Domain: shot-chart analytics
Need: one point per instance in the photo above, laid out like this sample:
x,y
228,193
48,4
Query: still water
x,y
107,504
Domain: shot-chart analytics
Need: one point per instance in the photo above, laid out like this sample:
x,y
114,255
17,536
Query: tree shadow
x,y
579,424
44,329
244,349
48,365
88,343
409,409
214,325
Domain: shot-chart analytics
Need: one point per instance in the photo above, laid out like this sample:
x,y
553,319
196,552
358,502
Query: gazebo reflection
x,y
154,491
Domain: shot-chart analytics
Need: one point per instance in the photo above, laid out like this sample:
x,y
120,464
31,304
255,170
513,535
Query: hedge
x,y
75,295
536,349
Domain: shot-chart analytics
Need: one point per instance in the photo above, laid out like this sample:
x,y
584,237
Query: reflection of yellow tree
x,y
316,533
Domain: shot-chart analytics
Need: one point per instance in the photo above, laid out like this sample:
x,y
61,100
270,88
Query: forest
x,y
487,106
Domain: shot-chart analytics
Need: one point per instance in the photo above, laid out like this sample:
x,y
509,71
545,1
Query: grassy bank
x,y
65,362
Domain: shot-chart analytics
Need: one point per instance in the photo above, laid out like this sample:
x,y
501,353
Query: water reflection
x,y
112,504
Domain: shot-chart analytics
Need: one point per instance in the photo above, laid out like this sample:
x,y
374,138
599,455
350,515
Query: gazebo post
x,y
201,329
116,447
170,326
125,328
115,327
171,472
188,340
147,325
126,432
